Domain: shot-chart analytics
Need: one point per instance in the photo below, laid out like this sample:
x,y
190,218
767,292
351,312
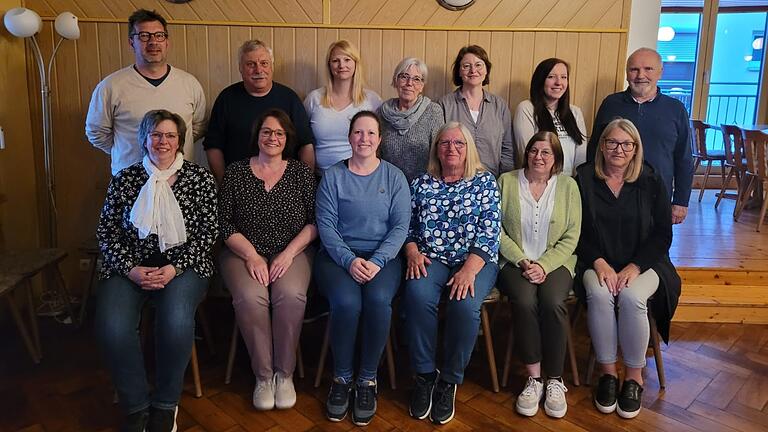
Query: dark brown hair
x,y
557,150
285,123
479,52
563,110
144,15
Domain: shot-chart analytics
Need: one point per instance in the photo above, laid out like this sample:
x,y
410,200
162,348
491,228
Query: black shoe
x,y
421,398
364,406
162,420
629,399
443,402
337,405
605,396
135,422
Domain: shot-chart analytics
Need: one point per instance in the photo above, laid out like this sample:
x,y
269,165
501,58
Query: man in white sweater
x,y
121,99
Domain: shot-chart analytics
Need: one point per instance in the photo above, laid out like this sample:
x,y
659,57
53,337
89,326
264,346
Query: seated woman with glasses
x,y
549,109
267,216
362,216
156,232
486,115
541,222
409,122
623,260
451,251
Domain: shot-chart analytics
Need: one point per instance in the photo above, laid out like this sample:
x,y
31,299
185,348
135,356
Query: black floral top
x,y
195,190
269,220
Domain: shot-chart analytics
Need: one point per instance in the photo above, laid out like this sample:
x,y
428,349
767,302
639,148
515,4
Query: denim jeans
x,y
119,306
462,319
368,305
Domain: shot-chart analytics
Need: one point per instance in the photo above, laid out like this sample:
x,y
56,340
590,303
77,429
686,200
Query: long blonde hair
x,y
358,82
472,164
635,166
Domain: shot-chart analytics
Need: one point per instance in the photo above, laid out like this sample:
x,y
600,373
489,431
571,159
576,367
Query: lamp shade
x,y
66,26
22,22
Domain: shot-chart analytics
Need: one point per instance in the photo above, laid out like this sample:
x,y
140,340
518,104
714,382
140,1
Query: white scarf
x,y
156,210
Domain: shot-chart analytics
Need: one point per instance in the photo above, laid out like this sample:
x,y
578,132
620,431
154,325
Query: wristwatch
x,y
178,271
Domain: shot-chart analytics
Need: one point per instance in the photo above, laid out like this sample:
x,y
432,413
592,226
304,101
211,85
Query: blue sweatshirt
x,y
663,126
366,214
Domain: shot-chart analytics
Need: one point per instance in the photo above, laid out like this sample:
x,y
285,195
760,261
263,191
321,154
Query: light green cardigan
x,y
564,226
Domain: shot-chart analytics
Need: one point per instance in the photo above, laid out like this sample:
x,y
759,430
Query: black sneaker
x,y
421,398
443,402
364,406
135,422
605,396
337,405
162,420
629,399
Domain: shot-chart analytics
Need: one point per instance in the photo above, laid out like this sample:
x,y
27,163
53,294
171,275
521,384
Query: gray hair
x,y
645,50
155,117
405,64
253,45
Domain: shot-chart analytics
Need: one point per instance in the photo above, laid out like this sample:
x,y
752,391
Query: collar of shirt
x,y
460,97
629,93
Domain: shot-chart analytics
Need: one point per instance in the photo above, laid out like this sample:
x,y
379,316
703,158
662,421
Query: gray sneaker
x,y
337,404
528,400
364,407
555,404
285,393
264,394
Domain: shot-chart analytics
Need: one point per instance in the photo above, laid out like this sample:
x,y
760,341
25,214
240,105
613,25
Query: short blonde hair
x,y
472,164
358,80
636,164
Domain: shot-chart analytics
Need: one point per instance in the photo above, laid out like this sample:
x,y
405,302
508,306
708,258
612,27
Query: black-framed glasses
x,y
404,77
146,36
626,146
459,144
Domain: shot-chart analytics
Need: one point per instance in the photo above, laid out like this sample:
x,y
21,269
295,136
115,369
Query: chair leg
x,y
764,207
572,356
64,292
33,318
232,353
485,321
591,364
657,352
299,361
205,326
750,185
28,342
727,179
323,355
390,364
196,371
508,358
706,177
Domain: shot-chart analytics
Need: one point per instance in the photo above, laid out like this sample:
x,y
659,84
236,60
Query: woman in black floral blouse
x,y
157,227
267,222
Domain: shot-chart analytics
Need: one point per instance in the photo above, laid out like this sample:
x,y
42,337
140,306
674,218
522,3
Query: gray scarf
x,y
402,121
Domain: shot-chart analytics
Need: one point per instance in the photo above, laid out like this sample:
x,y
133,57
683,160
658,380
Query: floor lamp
x,y
26,23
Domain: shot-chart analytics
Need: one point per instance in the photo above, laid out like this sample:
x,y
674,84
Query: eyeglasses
x,y
459,144
404,77
545,154
146,36
626,146
267,133
157,136
468,66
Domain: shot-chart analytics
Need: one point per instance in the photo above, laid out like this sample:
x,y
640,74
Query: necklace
x,y
615,190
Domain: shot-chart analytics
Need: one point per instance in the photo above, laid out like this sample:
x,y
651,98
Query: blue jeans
x,y
462,320
118,314
368,305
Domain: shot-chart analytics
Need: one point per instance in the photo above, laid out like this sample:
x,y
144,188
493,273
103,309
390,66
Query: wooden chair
x,y
9,284
756,175
493,297
734,161
700,152
655,345
571,301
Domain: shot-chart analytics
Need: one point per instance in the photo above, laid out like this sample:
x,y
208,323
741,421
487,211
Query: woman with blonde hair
x,y
331,107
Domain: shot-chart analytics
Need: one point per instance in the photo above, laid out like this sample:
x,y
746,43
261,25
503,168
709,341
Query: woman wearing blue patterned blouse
x,y
452,245
362,217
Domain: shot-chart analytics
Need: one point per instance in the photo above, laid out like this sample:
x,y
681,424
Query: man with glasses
x,y
662,122
236,108
120,100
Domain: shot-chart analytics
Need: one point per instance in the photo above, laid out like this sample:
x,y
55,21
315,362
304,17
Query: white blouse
x,y
535,217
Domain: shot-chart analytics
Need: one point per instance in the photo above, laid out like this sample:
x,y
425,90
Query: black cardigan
x,y
652,194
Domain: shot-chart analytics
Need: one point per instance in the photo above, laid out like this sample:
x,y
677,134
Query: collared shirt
x,y
492,131
535,216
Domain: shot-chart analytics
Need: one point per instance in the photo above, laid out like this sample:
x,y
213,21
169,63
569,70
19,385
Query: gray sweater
x,y
410,152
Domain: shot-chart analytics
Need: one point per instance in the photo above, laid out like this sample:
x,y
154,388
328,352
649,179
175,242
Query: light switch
x,y
2,138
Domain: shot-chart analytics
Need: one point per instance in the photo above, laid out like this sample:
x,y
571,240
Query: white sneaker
x,y
555,404
285,394
264,394
528,401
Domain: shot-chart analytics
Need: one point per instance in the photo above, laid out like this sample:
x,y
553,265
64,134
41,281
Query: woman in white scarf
x,y
156,231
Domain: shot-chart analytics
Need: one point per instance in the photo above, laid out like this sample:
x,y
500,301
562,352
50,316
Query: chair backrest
x,y
734,145
699,137
755,143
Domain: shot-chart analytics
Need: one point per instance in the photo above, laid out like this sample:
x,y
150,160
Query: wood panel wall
x,y
205,35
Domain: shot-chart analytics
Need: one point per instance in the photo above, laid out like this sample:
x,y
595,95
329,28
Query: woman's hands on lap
x,y
417,262
258,269
607,275
152,278
363,271
280,264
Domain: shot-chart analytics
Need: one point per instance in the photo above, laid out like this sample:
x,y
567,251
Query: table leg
x,y
33,317
22,329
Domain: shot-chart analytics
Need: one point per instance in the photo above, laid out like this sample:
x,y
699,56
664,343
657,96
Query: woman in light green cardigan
x,y
541,223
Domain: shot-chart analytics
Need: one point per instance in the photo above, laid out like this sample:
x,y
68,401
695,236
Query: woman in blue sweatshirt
x,y
363,210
